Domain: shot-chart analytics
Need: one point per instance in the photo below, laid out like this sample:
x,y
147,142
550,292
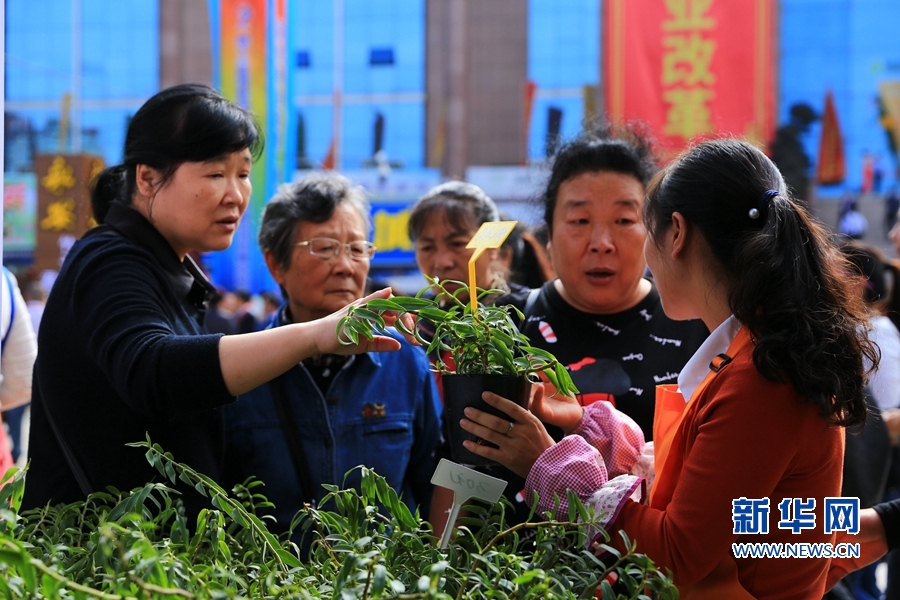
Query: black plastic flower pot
x,y
462,391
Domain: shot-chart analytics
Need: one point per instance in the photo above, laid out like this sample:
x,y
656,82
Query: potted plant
x,y
476,351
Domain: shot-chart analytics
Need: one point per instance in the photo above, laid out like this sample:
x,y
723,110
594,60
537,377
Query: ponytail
x,y
795,298
786,281
109,185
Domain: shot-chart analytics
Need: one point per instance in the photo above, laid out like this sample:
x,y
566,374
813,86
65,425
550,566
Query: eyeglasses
x,y
326,248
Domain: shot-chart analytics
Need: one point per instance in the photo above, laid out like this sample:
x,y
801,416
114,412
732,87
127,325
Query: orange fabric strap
x,y
672,423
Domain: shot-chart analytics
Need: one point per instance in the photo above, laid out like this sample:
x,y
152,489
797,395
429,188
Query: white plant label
x,y
465,483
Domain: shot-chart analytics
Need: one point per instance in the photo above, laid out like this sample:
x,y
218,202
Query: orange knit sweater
x,y
752,438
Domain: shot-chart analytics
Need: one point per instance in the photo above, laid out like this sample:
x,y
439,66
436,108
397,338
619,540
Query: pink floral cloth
x,y
596,462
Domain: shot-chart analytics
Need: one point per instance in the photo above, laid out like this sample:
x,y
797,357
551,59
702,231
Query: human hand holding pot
x,y
519,442
555,409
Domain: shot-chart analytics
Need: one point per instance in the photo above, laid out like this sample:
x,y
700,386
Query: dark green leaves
x,y
369,544
485,341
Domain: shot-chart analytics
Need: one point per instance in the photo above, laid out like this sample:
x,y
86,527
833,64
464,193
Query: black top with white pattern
x,y
619,357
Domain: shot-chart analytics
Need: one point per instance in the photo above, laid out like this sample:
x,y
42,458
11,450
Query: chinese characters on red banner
x,y
690,68
687,78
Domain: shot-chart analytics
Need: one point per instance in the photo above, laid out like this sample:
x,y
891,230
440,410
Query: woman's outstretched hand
x,y
326,330
249,360
872,541
519,443
550,407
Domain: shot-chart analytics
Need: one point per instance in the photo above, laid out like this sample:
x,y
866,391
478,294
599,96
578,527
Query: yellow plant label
x,y
489,235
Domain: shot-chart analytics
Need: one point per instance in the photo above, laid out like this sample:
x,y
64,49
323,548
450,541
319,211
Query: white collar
x,y
697,367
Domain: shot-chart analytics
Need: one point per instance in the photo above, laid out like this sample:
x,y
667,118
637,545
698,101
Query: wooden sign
x,y
64,204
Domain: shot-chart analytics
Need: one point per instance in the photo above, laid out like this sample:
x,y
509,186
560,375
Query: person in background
x,y
868,262
537,238
18,349
853,223
879,533
868,450
218,319
271,304
762,402
891,415
442,222
123,352
523,260
35,299
330,413
244,320
891,206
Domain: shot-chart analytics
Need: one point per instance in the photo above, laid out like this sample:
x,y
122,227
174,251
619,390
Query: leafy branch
x,y
483,341
167,466
369,545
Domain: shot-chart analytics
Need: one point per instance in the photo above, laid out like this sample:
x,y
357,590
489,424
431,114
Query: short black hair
x,y
184,123
626,150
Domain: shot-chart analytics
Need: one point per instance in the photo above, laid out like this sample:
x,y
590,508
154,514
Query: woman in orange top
x,y
764,398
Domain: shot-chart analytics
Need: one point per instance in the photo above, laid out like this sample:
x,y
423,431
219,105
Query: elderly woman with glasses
x,y
330,413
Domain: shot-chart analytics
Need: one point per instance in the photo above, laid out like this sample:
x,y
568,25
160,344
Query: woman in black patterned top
x,y
602,317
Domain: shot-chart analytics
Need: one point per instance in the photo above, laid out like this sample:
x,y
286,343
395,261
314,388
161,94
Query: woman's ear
x,y
274,267
678,230
146,180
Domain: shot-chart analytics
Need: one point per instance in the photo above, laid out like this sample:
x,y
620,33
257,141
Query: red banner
x,y
691,68
832,167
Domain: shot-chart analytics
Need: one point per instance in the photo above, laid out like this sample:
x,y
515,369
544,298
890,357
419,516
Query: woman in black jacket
x,y
123,350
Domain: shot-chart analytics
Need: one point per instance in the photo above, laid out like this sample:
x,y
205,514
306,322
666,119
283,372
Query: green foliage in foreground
x,y
139,545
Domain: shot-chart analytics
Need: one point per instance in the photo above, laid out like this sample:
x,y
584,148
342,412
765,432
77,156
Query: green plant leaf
x,y
414,304
369,315
384,304
434,315
379,579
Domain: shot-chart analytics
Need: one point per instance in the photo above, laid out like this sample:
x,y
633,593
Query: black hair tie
x,y
762,207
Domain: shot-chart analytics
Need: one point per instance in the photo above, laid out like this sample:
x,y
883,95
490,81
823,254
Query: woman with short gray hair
x,y
440,226
329,414
313,199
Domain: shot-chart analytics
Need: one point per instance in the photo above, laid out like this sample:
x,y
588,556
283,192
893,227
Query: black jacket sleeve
x,y
890,518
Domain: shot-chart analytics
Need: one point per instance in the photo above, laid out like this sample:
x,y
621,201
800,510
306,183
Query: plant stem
x,y
458,302
368,581
521,526
599,579
223,497
157,590
40,566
